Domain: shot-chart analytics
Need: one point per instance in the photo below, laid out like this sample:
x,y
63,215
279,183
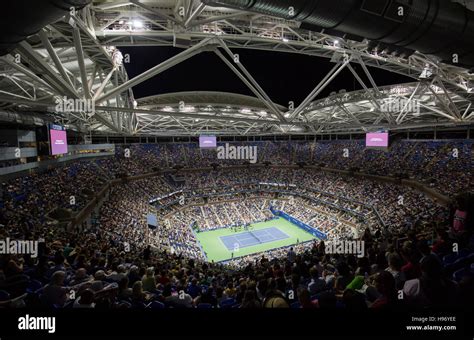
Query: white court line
x,y
236,240
245,238
262,233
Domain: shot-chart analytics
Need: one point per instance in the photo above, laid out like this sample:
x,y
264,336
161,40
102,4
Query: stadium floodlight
x,y
285,40
168,109
426,73
137,24
121,22
466,84
187,109
245,111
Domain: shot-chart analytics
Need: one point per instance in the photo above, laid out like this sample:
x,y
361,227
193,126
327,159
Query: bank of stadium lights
x,y
133,24
292,128
245,111
187,109
212,30
181,109
426,73
137,23
273,35
466,84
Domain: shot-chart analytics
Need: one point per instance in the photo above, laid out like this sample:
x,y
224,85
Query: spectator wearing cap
x,y
275,298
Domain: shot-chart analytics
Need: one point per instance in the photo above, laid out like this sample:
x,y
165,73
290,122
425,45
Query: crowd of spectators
x,y
118,261
102,274
444,165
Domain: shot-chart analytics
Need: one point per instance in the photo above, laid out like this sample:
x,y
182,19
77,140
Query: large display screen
x,y
58,140
207,141
377,139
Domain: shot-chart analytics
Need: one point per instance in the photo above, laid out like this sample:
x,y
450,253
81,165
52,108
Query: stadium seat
x,y
204,306
295,305
459,263
124,304
34,286
155,305
138,305
69,304
4,295
227,303
17,302
449,259
459,274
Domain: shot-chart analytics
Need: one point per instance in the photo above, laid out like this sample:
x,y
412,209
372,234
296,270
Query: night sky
x,y
284,76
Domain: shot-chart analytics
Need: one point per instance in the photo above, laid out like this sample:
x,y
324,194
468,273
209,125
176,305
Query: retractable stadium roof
x,y
77,54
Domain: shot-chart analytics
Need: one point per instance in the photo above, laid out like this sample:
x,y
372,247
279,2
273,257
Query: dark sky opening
x,y
285,77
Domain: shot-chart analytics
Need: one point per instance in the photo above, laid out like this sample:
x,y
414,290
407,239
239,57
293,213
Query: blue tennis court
x,y
251,238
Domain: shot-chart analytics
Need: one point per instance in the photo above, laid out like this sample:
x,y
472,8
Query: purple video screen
x,y
377,139
58,142
207,141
